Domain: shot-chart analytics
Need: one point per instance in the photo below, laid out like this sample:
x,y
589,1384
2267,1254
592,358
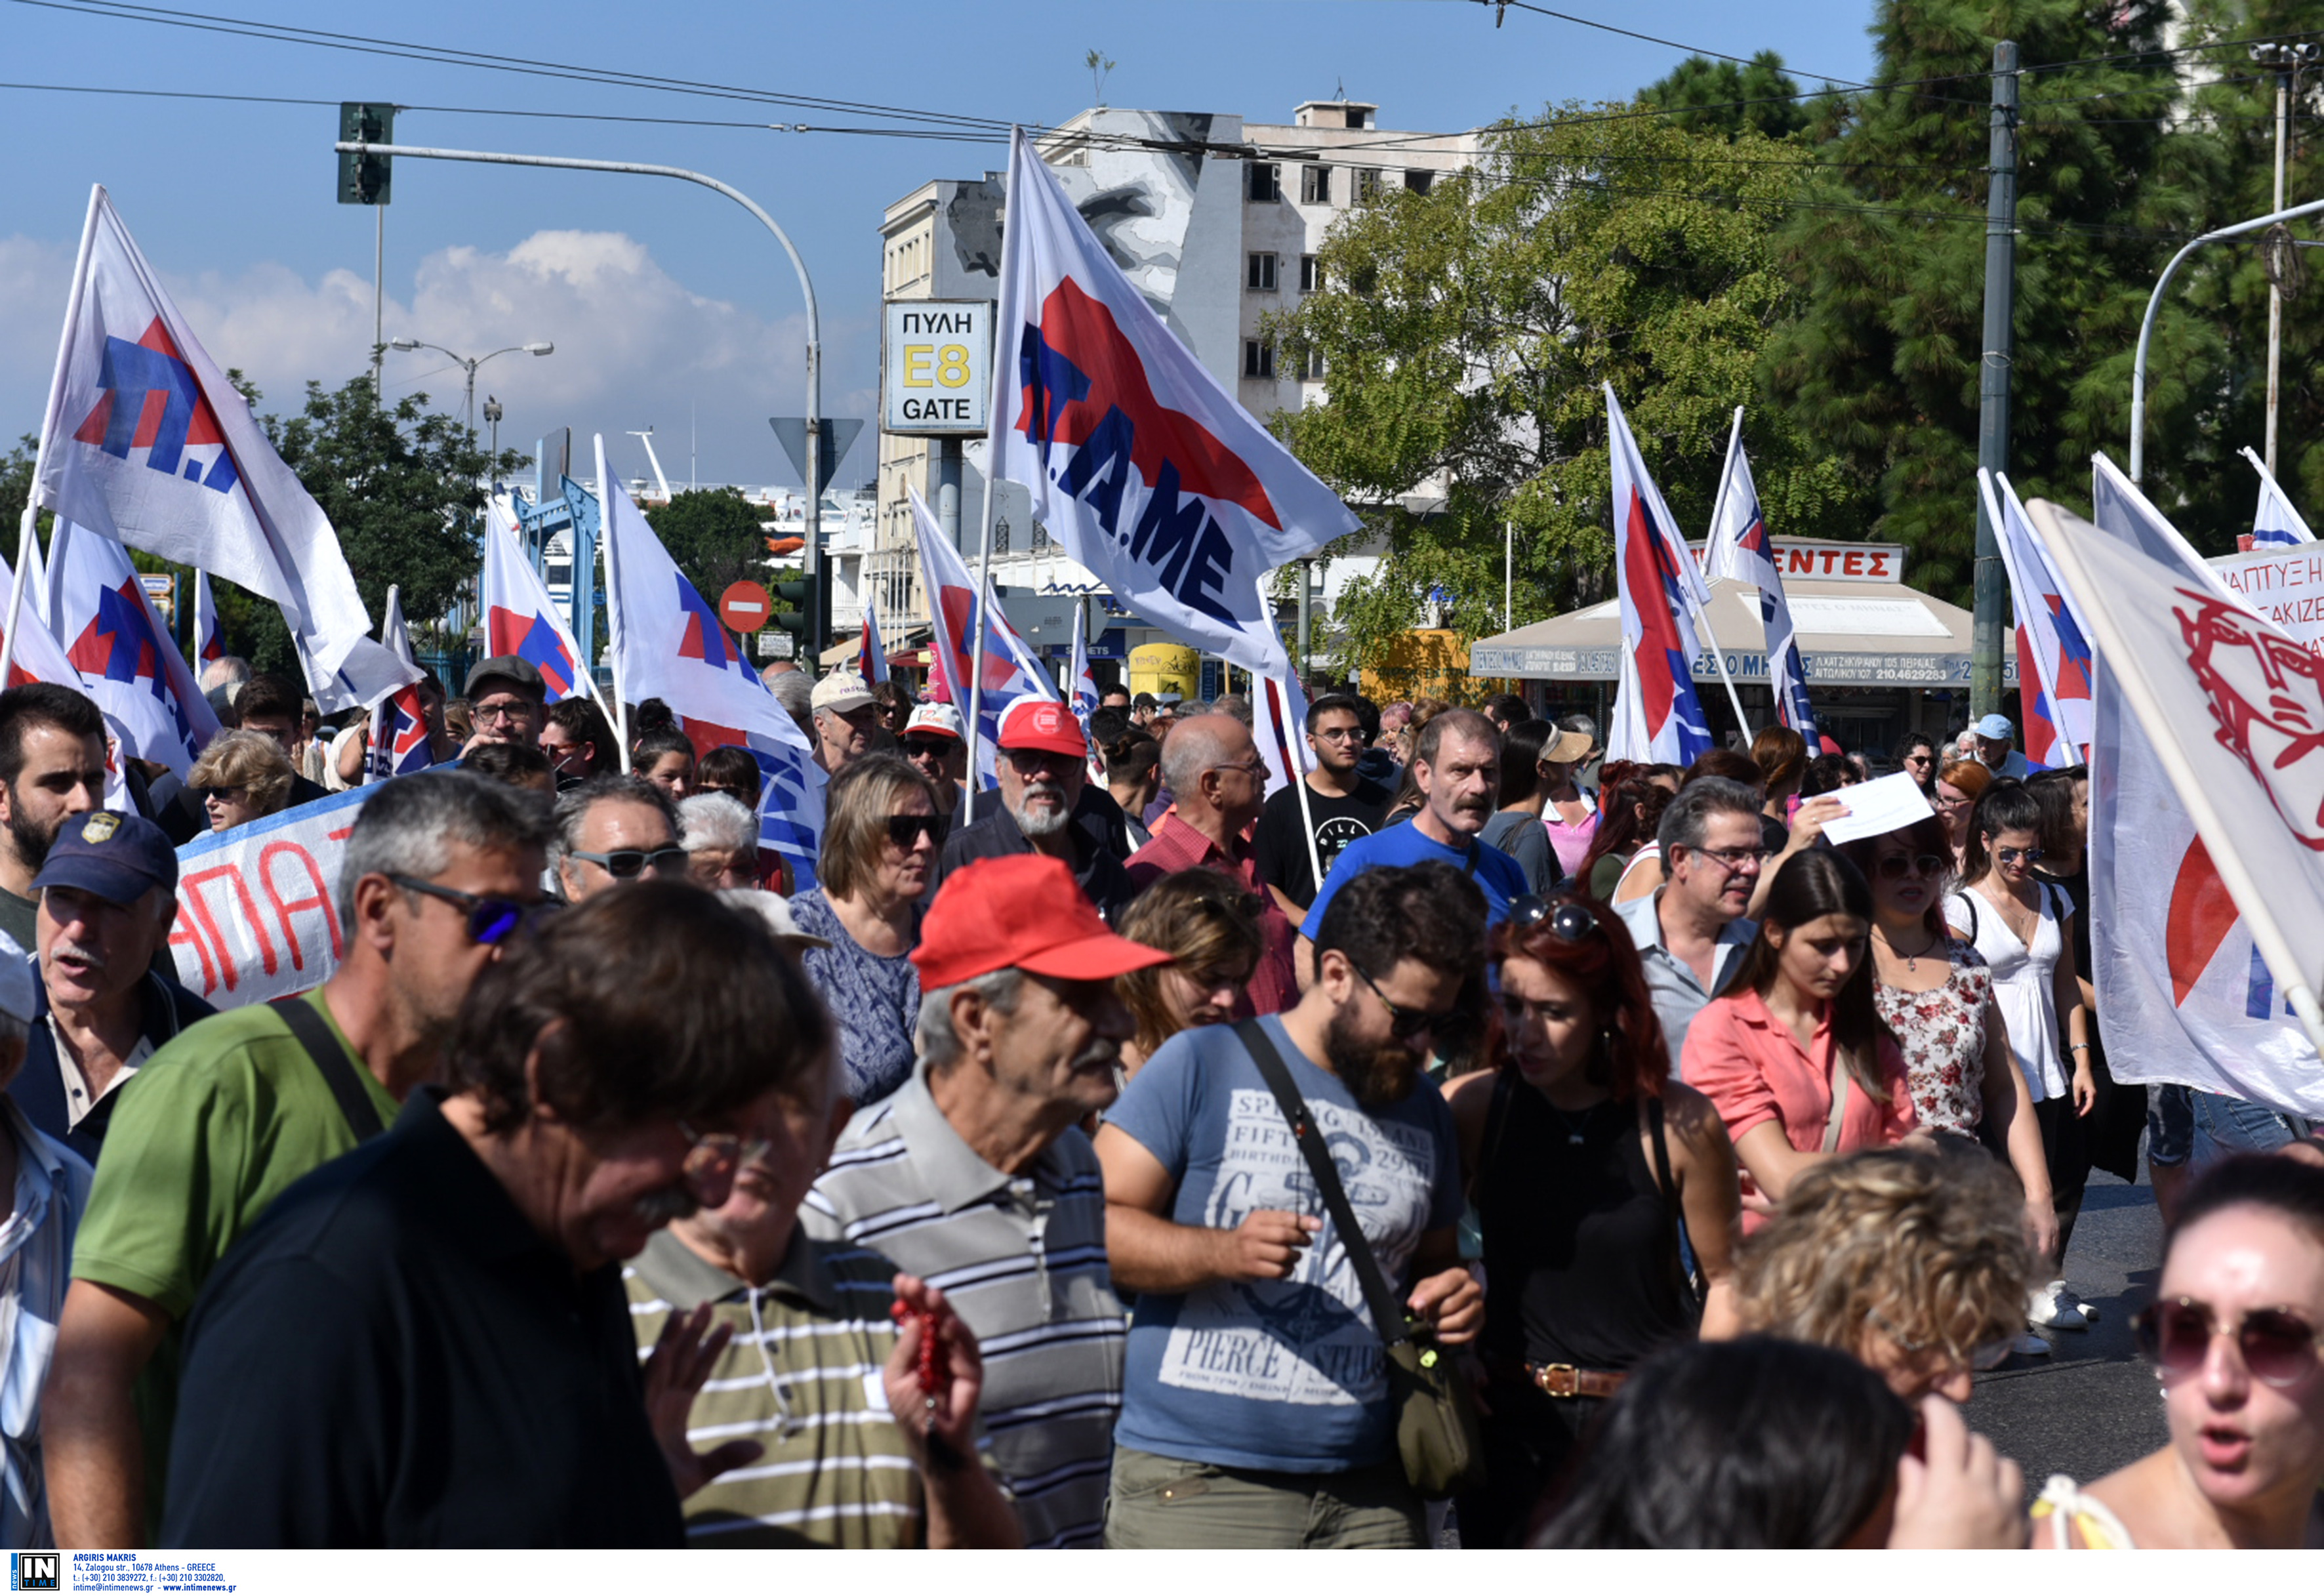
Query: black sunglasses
x,y
491,921
1403,1023
1897,866
627,864
1567,920
907,830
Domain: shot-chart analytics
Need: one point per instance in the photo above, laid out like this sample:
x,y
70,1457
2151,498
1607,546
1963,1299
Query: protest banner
x,y
257,911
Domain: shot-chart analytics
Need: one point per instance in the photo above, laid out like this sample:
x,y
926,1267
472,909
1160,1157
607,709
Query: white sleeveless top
x,y
2025,981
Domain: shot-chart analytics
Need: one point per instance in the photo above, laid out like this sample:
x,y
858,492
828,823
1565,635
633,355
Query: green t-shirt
x,y
210,1131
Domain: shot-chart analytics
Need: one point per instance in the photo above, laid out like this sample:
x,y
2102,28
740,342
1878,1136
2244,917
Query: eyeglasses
x,y
719,1153
1403,1023
907,830
223,795
1897,866
626,863
1734,859
1567,920
2012,855
1950,800
1985,1357
513,709
1339,735
2277,1346
1254,768
491,921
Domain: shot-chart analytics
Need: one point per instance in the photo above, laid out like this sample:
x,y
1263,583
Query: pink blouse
x,y
1753,1070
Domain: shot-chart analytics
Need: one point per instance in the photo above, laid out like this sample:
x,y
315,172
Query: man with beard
x,y
51,767
1458,767
1256,1408
974,1175
441,871
1043,772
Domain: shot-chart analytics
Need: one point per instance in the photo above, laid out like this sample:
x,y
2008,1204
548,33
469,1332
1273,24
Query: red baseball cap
x,y
1036,722
1021,911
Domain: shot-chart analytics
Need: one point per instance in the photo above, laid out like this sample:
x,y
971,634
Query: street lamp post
x,y
469,366
2288,60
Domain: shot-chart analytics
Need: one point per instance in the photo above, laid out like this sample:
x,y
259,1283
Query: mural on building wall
x,y
1140,200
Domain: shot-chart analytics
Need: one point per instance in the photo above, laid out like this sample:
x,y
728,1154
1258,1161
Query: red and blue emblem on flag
x,y
121,647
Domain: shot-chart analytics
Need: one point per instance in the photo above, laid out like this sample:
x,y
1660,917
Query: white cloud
x,y
634,345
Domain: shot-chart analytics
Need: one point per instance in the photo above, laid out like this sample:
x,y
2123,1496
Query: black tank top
x,y
1581,1255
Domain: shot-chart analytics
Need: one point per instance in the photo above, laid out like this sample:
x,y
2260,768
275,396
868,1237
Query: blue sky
x,y
662,296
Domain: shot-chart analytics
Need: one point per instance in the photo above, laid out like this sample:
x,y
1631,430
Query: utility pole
x,y
2286,61
1993,379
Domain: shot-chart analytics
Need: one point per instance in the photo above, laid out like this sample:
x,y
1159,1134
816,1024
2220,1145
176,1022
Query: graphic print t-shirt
x,y
1275,1374
1278,843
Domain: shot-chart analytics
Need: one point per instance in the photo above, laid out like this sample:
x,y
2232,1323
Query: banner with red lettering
x,y
258,916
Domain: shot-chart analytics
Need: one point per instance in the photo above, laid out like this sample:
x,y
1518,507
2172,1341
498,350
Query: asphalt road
x,y
2092,1405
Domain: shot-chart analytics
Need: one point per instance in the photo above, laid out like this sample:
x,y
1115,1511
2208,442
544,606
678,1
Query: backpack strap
x,y
331,1062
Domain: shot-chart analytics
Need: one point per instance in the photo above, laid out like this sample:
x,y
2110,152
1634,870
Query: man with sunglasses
x,y
612,831
1043,765
1214,767
935,743
1691,931
442,872
1343,804
428,1343
1256,1408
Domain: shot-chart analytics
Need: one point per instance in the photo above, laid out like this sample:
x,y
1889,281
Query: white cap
x,y
18,994
842,692
942,719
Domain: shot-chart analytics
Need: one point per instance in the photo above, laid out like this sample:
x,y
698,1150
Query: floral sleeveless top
x,y
1942,1034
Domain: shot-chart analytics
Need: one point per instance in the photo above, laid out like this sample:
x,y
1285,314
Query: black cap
x,y
118,857
508,668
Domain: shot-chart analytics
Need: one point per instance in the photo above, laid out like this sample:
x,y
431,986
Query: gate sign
x,y
745,608
935,368
258,914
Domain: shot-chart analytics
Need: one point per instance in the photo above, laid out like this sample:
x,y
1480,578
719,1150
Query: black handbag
x,y
1437,1437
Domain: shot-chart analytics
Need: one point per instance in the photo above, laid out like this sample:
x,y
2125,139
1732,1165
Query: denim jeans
x,y
2225,1126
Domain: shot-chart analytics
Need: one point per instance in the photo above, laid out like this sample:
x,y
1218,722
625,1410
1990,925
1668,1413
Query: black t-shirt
x,y
1279,841
394,1357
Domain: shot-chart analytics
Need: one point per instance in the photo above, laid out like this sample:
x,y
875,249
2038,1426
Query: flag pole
x,y
612,606
1292,737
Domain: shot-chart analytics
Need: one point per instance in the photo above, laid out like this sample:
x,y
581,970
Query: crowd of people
x,y
1115,1155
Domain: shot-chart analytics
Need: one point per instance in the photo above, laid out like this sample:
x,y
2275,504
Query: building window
x,y
1311,275
1262,273
1257,359
1417,179
1312,369
1357,118
1000,536
1040,538
1315,185
1367,183
1266,181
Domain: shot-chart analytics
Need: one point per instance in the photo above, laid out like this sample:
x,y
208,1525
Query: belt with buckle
x,y
1565,1381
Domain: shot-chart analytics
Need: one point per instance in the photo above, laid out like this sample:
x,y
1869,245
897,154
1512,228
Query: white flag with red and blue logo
x,y
2054,669
1657,717
1138,461
399,743
119,642
146,442
2276,524
669,644
209,637
1741,551
1279,725
519,615
1011,670
870,653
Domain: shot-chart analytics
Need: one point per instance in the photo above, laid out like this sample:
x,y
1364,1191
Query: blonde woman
x,y
1208,923
242,776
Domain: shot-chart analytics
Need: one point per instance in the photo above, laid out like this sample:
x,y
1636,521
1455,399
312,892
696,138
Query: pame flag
x,y
1137,460
668,644
209,637
1010,669
2053,651
116,639
520,616
399,743
1741,551
2276,524
1657,717
146,442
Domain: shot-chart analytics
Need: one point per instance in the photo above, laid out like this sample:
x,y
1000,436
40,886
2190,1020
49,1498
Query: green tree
x,y
1880,367
1730,98
1465,334
716,537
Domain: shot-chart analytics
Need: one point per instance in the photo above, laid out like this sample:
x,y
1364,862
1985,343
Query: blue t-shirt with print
x,y
1500,877
1275,1374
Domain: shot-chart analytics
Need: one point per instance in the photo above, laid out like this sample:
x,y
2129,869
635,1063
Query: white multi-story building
x,y
1217,221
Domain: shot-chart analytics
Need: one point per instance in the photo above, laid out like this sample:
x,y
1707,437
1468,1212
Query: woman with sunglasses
x,y
242,777
1958,788
1795,1055
2024,928
1208,923
880,837
1935,995
1585,1164
2233,1335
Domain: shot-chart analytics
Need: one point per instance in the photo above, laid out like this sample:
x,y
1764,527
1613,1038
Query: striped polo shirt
x,y
802,1377
1022,1259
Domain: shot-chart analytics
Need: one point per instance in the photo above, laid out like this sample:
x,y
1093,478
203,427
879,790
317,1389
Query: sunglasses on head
x,y
2277,1346
491,921
1897,866
625,864
1567,920
907,830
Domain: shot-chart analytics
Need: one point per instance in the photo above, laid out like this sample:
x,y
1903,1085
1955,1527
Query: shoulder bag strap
x,y
1497,1121
332,1062
1388,1313
1690,1284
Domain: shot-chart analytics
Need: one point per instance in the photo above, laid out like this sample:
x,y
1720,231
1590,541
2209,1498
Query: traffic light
x,y
364,179
794,616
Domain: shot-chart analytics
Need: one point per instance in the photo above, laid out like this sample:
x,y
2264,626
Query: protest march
x,y
549,1069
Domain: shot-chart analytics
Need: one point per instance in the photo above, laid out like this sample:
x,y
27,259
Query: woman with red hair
x,y
1586,1164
